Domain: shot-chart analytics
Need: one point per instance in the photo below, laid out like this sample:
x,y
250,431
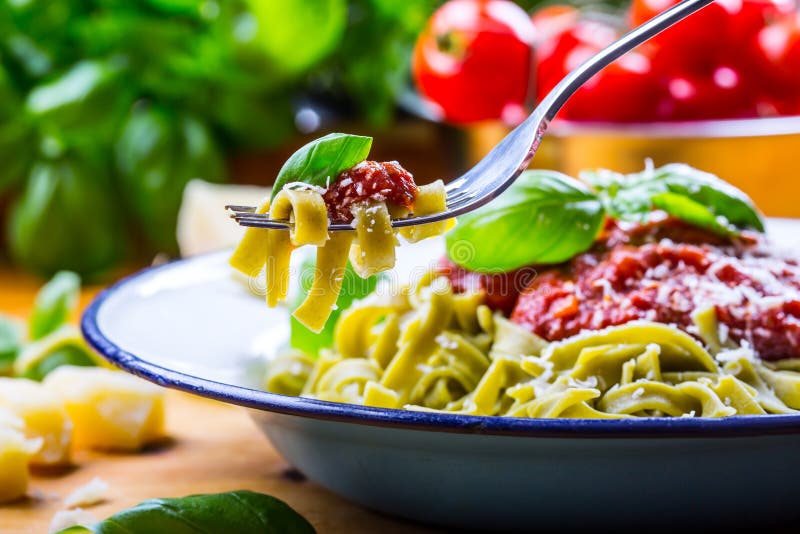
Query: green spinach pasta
x,y
434,349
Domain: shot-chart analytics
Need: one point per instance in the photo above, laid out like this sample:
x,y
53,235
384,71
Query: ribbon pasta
x,y
370,247
432,349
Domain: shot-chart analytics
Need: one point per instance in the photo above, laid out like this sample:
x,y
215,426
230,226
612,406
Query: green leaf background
x,y
67,218
75,76
53,304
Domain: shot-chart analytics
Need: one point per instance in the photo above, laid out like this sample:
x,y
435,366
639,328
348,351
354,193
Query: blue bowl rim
x,y
737,426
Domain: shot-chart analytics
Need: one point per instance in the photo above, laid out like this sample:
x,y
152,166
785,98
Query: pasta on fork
x,y
368,196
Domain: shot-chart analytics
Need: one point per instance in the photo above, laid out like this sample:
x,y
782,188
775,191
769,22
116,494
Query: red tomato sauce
x,y
370,181
664,272
500,289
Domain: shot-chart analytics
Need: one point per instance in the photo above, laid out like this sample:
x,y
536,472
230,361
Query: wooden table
x,y
215,448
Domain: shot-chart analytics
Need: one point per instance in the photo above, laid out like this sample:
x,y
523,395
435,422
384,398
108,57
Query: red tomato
x,y
692,43
778,49
473,60
776,105
552,21
755,14
625,91
565,50
717,33
719,93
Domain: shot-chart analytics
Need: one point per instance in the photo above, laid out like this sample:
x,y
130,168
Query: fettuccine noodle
x,y
370,246
432,349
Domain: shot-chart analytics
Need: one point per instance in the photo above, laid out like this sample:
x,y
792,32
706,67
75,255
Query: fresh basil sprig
x,y
544,217
10,343
48,341
695,196
243,512
63,347
320,161
54,302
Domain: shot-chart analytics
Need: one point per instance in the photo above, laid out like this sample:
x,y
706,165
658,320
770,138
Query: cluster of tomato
x,y
487,59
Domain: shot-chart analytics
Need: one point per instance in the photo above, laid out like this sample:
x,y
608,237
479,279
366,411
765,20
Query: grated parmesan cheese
x,y
723,331
303,186
589,383
93,492
445,343
744,352
422,368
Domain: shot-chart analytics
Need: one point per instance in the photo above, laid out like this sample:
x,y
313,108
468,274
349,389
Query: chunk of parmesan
x,y
44,417
110,410
93,492
15,451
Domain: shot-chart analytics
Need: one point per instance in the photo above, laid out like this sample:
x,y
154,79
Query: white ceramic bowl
x,y
189,325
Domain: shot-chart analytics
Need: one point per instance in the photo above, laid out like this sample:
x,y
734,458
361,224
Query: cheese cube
x,y
44,415
110,410
10,420
15,451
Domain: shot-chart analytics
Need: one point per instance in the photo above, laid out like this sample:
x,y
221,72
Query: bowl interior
x,y
198,317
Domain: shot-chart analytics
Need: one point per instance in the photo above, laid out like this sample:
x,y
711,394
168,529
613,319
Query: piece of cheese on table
x,y
15,451
93,492
203,224
44,415
110,410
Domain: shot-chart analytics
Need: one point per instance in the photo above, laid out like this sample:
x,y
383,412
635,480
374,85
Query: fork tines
x,y
242,209
246,216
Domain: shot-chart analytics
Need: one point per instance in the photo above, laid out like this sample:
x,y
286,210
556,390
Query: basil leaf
x,y
66,355
709,202
157,153
68,217
720,197
53,304
544,217
353,288
622,198
243,512
65,346
10,343
692,212
320,161
16,136
88,97
283,31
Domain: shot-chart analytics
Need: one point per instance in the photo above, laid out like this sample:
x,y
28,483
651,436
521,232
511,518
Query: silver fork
x,y
500,167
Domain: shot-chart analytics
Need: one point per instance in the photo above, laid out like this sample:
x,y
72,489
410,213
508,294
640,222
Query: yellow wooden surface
x,y
215,447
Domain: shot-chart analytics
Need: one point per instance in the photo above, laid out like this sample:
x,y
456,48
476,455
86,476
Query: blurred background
x,y
109,108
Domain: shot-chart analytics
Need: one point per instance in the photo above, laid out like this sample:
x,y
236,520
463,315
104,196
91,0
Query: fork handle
x,y
580,75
